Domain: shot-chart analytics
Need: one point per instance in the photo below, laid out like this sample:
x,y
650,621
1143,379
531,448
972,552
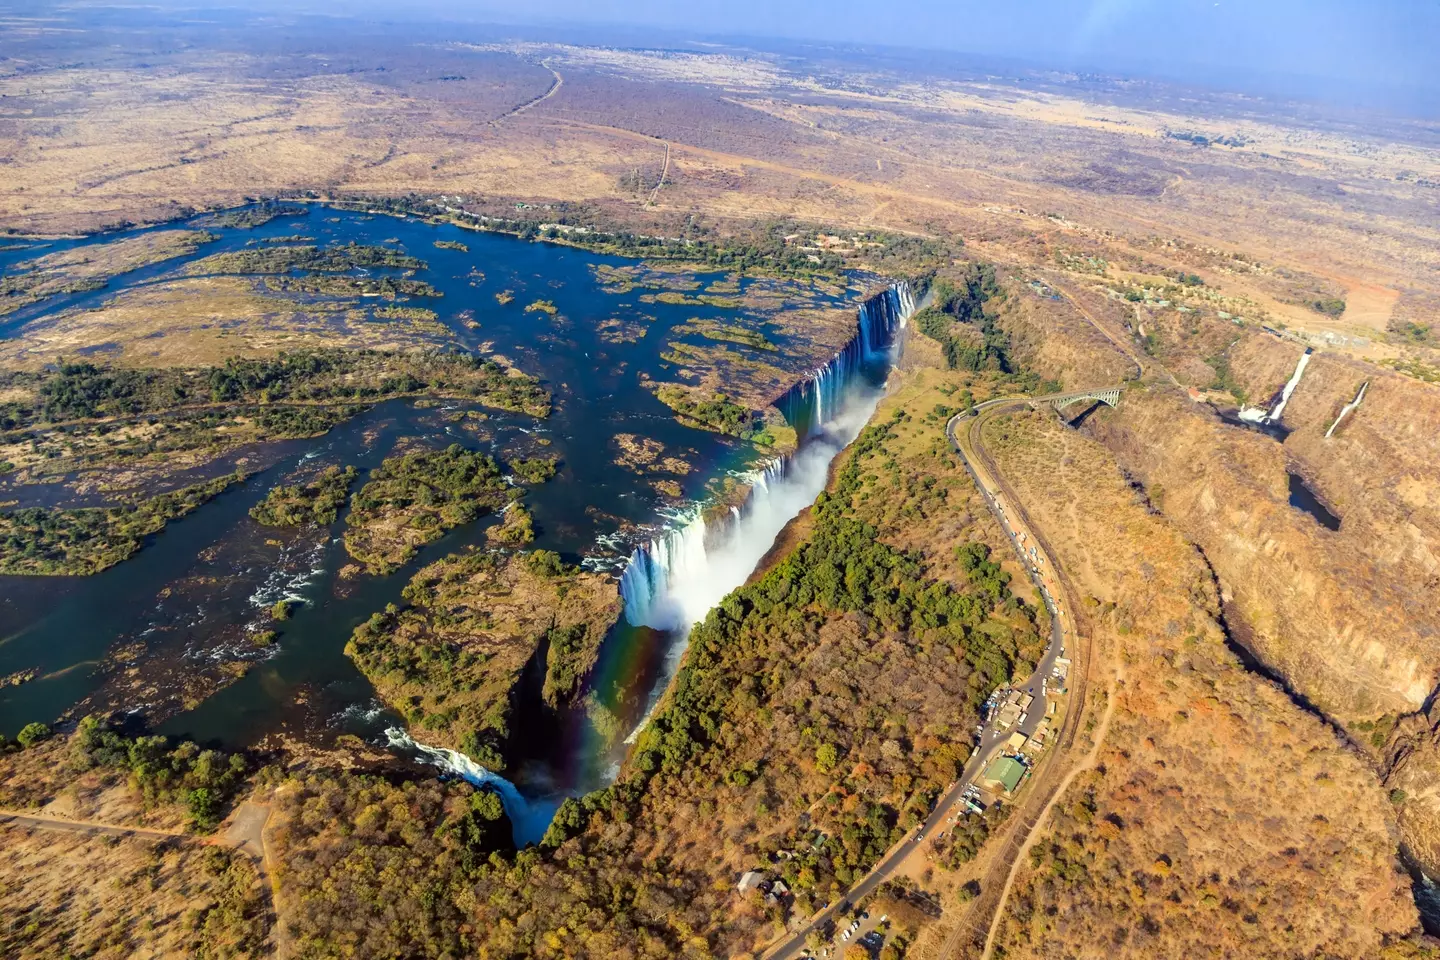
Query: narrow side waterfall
x,y
1348,409
1272,416
1279,409
529,819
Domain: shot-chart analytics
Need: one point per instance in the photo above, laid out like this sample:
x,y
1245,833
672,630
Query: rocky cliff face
x,y
1325,608
1351,617
1210,791
1381,468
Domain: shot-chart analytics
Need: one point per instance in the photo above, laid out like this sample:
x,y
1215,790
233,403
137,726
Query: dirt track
x,y
13,818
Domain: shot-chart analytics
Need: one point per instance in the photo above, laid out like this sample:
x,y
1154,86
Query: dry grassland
x,y
111,898
748,137
1222,821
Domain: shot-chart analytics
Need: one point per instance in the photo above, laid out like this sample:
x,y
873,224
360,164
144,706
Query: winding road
x,y
1047,580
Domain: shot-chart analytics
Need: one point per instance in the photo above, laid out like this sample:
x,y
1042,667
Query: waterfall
x,y
813,401
1279,409
672,582
1346,410
529,819
1263,417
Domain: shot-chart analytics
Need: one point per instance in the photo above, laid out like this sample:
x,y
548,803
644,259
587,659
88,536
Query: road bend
x,y
1040,568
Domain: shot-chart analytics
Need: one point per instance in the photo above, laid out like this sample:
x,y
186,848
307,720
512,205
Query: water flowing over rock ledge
x,y
673,581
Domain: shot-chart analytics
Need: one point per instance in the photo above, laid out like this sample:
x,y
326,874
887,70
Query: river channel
x,y
153,636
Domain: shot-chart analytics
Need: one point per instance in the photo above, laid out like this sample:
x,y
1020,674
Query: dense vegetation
x,y
375,869
819,711
778,247
534,469
256,216
204,781
963,299
159,772
515,529
319,501
716,412
334,259
412,498
450,659
81,391
53,541
82,417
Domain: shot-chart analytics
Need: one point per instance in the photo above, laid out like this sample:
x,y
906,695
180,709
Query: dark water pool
x,y
1303,498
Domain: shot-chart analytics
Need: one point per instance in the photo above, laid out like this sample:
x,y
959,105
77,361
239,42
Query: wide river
x,y
137,636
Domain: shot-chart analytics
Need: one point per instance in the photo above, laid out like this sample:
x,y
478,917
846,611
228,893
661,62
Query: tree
x,y
203,805
31,734
826,757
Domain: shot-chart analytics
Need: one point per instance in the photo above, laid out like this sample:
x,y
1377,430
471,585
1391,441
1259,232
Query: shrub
x,y
31,734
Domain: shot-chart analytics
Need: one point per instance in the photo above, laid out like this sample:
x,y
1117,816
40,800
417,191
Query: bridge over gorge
x,y
1106,395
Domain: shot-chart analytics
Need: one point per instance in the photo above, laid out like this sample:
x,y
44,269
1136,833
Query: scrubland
x,y
1221,820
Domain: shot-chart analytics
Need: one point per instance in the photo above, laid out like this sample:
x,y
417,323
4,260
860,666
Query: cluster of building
x,y
1010,708
774,892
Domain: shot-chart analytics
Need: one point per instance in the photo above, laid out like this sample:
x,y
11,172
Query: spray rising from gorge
x,y
674,580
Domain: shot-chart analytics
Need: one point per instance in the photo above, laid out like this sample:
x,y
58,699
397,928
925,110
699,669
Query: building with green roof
x,y
1004,773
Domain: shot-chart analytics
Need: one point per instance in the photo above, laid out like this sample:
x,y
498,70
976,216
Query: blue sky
x,y
1389,42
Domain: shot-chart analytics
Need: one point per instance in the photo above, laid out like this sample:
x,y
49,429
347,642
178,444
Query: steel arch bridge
x,y
1110,396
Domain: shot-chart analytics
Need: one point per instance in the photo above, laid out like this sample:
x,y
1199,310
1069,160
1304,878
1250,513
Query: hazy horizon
x,y
1342,51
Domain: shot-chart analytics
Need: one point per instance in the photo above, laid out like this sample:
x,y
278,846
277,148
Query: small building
x,y
778,895
1017,742
752,880
1004,773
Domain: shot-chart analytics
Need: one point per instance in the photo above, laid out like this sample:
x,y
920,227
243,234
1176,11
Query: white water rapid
x,y
529,819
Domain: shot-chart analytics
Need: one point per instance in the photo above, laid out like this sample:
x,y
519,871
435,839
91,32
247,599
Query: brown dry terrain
x,y
1346,617
1220,821
73,894
91,267
98,856
1225,817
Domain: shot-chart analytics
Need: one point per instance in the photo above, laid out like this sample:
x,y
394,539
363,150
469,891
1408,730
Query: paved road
x,y
990,743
